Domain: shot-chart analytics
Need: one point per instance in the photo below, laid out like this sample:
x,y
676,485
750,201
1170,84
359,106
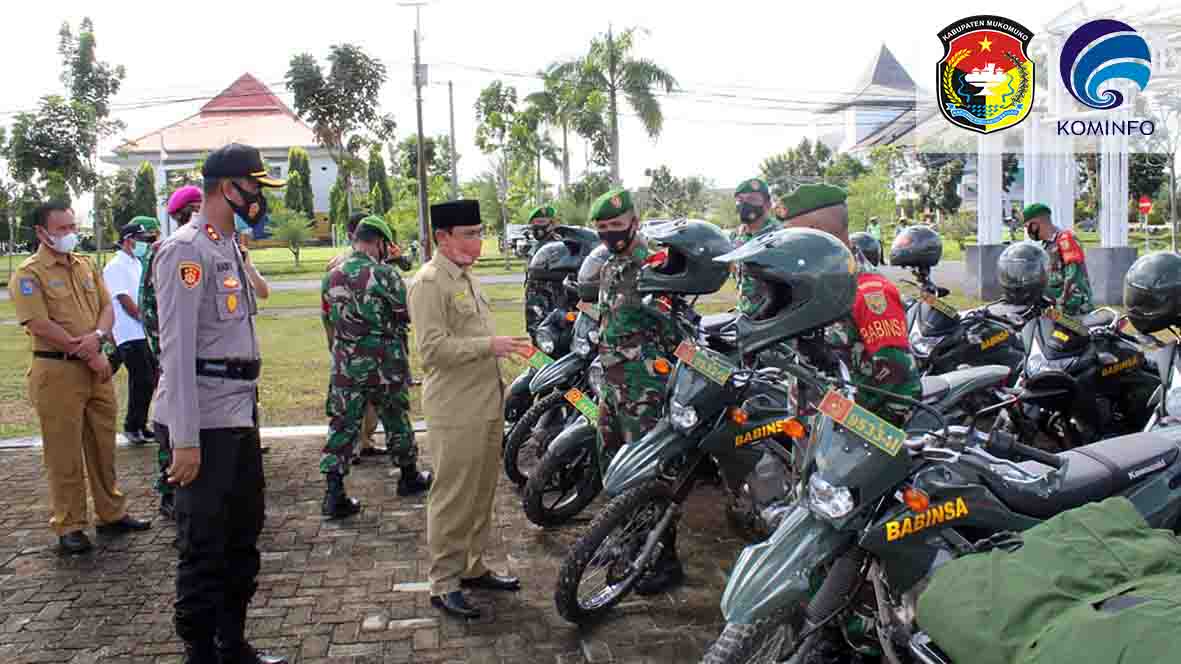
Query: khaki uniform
x,y
463,400
76,411
369,420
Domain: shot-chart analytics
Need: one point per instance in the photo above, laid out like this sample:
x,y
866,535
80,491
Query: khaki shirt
x,y
454,329
70,293
206,308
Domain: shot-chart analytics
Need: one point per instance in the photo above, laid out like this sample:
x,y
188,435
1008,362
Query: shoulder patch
x,y
28,286
876,301
1069,247
190,273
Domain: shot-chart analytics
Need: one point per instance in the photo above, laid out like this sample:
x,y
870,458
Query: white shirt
x,y
122,275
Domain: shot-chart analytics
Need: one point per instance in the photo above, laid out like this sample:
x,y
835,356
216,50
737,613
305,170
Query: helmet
x,y
588,274
558,259
916,246
1023,271
868,246
690,268
812,279
1152,291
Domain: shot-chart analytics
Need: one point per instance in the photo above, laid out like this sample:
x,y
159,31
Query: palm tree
x,y
609,67
565,105
527,138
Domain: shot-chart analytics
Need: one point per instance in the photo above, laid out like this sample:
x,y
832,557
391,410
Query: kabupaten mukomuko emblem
x,y
985,79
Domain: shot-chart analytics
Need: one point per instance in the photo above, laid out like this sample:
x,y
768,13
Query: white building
x,y
884,94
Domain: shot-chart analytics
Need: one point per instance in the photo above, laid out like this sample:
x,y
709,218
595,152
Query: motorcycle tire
x,y
764,641
576,471
522,434
649,501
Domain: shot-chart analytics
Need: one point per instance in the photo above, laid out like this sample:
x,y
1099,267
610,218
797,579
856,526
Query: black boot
x,y
667,573
201,652
337,504
413,482
232,647
168,506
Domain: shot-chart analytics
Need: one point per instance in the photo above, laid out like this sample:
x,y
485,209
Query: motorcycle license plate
x,y
940,306
584,404
591,310
538,359
1067,322
703,362
876,431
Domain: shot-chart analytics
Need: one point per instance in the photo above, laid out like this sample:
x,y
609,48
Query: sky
x,y
794,54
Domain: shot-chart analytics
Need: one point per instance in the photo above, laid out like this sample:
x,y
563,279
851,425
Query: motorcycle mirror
x,y
940,291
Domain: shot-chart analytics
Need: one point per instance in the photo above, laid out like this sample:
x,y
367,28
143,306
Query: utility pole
x,y
454,166
420,75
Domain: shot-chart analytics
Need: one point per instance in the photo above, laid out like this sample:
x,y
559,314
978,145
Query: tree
x,y
609,67
496,108
869,196
293,192
888,160
298,161
381,197
343,106
1009,170
566,105
845,168
338,212
143,199
1146,174
804,163
939,192
527,140
114,200
676,197
1167,111
591,186
436,149
292,228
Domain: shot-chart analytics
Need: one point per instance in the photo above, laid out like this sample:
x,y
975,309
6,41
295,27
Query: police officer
x,y
366,303
463,401
206,406
631,338
753,200
64,306
1069,286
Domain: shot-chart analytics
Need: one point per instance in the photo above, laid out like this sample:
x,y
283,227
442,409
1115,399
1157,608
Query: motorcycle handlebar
x,y
1005,443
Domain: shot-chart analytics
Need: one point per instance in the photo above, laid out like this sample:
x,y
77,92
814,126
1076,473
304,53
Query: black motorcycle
x,y
553,338
1166,402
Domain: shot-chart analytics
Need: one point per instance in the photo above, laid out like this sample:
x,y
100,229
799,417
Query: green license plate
x,y
538,359
1067,322
876,431
591,310
704,362
940,306
584,404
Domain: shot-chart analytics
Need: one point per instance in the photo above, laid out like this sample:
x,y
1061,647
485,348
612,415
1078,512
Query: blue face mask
x,y
240,224
140,249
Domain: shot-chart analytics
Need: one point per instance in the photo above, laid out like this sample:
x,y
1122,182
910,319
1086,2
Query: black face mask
x,y
749,212
253,207
1032,231
618,241
540,232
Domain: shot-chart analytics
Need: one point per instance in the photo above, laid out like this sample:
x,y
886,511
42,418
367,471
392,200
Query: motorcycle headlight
x,y
1173,401
1036,364
581,346
546,342
834,502
682,417
593,335
919,345
595,377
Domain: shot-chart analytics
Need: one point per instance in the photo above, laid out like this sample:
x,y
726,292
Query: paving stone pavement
x,y
349,591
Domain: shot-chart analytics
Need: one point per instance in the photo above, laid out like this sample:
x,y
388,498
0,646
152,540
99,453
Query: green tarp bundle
x,y
1092,585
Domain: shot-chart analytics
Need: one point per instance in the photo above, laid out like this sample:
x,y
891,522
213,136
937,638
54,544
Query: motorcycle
x,y
551,412
716,410
846,561
554,336
1166,401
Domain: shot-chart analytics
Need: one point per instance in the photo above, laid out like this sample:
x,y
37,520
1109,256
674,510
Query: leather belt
x,y
229,368
54,355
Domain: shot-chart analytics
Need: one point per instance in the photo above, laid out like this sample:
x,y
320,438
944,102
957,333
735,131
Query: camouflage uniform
x,y
150,317
1069,285
366,305
752,293
632,338
543,294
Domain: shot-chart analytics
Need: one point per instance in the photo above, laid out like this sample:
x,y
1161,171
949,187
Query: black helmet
x,y
589,273
1023,271
690,268
916,246
868,246
812,281
1152,292
561,258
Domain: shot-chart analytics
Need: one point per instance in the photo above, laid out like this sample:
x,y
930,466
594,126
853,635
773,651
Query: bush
x,y
959,227
292,228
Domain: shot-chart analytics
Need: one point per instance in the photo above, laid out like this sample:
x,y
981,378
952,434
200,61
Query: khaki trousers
x,y
368,427
459,507
77,415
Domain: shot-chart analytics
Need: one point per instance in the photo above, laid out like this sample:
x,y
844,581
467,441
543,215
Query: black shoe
x,y
123,526
201,654
74,543
134,437
337,504
373,451
264,449
168,506
246,654
667,575
147,435
490,581
413,482
455,604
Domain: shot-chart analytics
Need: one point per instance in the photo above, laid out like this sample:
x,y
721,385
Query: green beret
x,y
809,197
611,204
378,224
542,212
752,186
1035,210
149,223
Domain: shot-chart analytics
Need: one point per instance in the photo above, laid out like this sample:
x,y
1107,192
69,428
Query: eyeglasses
x,y
477,234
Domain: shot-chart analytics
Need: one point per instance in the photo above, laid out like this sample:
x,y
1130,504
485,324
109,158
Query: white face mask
x,y
64,244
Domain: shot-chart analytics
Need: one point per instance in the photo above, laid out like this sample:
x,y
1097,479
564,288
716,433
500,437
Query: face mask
x,y
64,244
618,241
140,249
539,232
253,207
1031,232
749,212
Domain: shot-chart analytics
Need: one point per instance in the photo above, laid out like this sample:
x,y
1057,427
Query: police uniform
x,y
463,402
75,409
210,362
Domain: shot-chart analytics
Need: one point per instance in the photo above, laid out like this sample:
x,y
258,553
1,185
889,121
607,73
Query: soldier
x,y
207,410
1069,287
872,340
366,303
631,338
540,295
753,200
63,304
182,205
463,400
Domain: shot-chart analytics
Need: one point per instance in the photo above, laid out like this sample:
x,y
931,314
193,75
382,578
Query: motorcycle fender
x,y
641,460
775,573
576,436
559,374
519,396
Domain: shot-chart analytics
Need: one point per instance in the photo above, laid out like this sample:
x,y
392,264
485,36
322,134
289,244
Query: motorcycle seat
x,y
1099,318
1095,472
714,325
935,388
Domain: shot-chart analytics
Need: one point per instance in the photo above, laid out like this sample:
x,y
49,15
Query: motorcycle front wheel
x,y
764,642
601,568
563,485
527,442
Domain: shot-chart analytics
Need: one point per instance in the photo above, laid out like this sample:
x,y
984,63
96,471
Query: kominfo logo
x,y
1101,51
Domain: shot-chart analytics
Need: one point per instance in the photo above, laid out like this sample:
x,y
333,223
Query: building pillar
x,y
981,259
